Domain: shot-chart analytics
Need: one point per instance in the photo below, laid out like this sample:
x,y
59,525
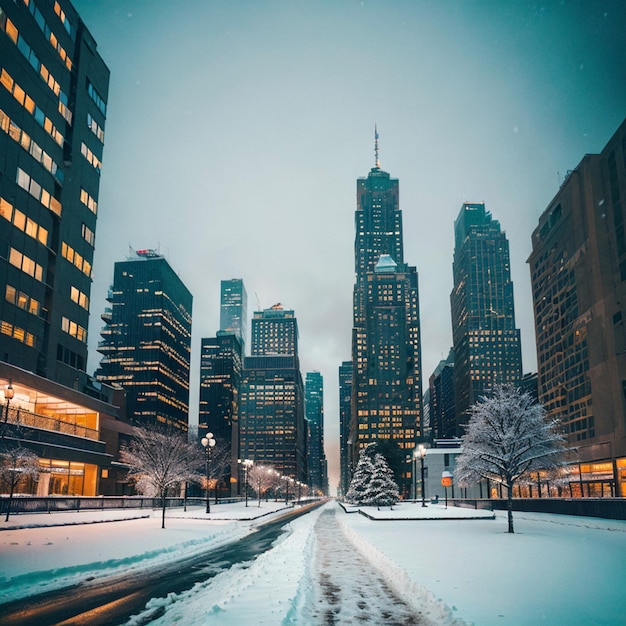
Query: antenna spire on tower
x,y
376,147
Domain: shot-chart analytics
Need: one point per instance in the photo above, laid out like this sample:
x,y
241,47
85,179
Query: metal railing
x,y
51,504
22,417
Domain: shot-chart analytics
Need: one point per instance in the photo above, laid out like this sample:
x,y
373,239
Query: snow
x,y
553,570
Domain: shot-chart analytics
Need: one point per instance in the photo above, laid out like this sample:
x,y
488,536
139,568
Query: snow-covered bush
x,y
372,483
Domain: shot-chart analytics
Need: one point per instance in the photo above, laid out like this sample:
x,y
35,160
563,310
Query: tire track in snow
x,y
349,588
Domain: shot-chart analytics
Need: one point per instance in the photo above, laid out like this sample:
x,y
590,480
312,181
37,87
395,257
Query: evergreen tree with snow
x,y
361,478
381,489
508,436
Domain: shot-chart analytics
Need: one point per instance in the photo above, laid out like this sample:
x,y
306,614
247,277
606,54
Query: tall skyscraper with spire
x,y
487,347
386,352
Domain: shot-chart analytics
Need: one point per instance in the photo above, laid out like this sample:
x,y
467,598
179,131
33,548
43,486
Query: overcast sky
x,y
236,131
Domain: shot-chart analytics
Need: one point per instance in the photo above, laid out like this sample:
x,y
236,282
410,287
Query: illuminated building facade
x,y
53,95
146,340
221,365
272,427
386,352
578,274
314,412
486,343
234,309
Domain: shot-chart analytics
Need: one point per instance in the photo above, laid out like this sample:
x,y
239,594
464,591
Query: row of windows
x,y
88,201
67,252
38,192
92,159
7,25
73,329
17,333
25,264
22,300
88,235
31,146
48,34
95,128
80,298
97,98
29,104
71,31
69,357
25,224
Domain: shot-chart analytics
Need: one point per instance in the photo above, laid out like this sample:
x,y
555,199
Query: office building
x,y
578,274
386,359
485,341
221,365
234,309
146,340
442,407
314,413
272,427
53,104
345,443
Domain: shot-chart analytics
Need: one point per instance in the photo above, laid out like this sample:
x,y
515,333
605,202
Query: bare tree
x,y
509,436
15,465
161,459
261,478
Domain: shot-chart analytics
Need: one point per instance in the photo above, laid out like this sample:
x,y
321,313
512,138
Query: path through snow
x,y
349,589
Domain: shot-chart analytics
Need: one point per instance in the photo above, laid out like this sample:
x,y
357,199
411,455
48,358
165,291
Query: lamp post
x,y
420,453
8,396
208,442
245,463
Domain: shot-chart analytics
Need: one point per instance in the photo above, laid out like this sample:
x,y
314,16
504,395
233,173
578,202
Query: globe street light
x,y
208,442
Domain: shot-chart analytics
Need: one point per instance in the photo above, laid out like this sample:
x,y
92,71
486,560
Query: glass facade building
x,y
486,344
345,443
146,340
234,309
314,412
53,105
386,352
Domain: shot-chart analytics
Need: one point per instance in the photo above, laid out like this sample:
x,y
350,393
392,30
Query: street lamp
x,y
420,453
8,396
246,463
208,442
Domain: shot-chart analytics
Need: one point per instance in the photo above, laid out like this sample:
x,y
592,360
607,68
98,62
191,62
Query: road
x,y
112,600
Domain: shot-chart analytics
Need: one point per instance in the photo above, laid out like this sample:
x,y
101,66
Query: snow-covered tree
x,y
372,483
160,460
381,489
261,478
508,436
16,464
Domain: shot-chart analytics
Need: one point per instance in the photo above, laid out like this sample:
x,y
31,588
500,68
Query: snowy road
x,y
348,589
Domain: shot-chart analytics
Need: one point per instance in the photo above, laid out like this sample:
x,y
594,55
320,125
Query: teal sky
x,y
236,130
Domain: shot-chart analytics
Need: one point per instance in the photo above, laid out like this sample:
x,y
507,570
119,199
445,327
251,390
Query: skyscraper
x,y
345,443
386,353
221,365
486,343
234,309
442,407
274,332
578,274
53,105
314,412
272,428
146,340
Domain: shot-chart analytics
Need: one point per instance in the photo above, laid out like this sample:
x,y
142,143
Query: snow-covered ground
x,y
553,570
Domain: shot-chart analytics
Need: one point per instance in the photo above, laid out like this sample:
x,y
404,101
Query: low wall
x,y
608,508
